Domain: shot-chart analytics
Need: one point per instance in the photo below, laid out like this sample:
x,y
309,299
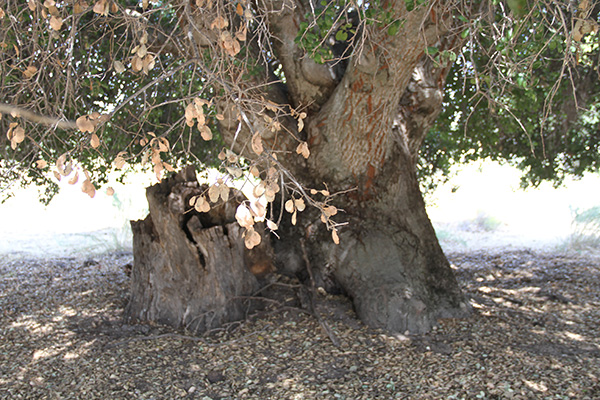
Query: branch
x,y
36,118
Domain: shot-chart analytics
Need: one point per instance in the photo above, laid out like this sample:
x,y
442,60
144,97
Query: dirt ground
x,y
534,335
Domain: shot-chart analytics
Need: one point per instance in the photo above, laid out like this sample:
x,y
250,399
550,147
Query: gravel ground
x,y
534,335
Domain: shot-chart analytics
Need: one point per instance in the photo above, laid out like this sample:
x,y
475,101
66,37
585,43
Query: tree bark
x,y
191,270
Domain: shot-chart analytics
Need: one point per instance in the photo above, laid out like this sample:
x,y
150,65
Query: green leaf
x,y
432,51
394,28
341,36
410,5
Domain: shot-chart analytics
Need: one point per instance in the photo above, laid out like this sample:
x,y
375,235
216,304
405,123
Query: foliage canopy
x,y
90,86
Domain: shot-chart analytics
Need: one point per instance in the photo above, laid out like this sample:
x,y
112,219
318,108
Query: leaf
x,y
31,4
300,124
206,133
148,63
74,179
335,237
244,217
303,149
259,189
289,206
40,164
94,141
110,191
88,188
254,171
213,193
137,64
271,225
432,51
119,161
220,117
224,192
219,23
394,28
330,210
241,34
257,146
63,167
294,218
118,66
142,50
252,238
84,124
56,23
101,8
341,35
16,134
234,171
239,9
30,72
299,204
201,205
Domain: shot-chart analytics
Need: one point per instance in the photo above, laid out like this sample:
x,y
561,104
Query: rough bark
x,y
364,133
191,270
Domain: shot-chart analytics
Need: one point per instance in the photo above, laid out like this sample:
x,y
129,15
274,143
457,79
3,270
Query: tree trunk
x,y
191,269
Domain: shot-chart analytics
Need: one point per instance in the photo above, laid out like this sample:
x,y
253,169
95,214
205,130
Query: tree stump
x,y
191,270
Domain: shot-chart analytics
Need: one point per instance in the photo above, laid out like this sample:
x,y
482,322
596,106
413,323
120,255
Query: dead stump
x,y
191,270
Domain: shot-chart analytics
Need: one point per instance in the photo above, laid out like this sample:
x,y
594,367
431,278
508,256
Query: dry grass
x,y
534,336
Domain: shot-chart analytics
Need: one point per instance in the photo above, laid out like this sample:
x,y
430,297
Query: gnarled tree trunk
x,y
191,269
364,132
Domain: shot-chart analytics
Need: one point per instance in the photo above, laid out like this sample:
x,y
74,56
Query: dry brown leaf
x,y
88,188
254,171
136,63
85,124
241,34
214,193
239,9
30,71
148,63
118,66
335,237
303,149
271,225
101,8
244,217
289,206
252,238
141,51
63,167
119,160
57,175
110,191
40,164
74,179
2,13
257,146
56,23
330,210
299,204
259,189
32,5
201,205
94,141
219,23
206,133
294,218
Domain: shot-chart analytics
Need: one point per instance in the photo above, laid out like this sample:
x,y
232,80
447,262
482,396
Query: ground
x,y
534,335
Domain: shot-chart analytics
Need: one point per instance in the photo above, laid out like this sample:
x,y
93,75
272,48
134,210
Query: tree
x,y
326,105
